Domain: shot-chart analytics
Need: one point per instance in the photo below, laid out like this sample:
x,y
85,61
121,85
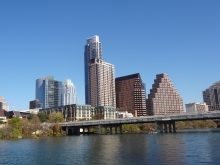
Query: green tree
x,y
56,117
30,116
43,116
16,123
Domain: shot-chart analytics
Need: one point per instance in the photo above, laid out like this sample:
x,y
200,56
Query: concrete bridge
x,y
163,122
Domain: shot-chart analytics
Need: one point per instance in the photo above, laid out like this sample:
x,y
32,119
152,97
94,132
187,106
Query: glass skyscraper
x,y
93,49
49,91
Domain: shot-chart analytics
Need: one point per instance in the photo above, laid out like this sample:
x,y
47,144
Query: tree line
x,y
36,125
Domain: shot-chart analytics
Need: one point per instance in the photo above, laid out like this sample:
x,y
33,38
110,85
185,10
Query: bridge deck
x,y
147,119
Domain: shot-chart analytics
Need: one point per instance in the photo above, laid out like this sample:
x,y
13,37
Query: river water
x,y
183,147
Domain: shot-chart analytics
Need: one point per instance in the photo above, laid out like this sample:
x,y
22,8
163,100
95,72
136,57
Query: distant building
x,y
130,94
211,96
99,76
3,104
77,112
69,93
163,98
123,114
35,104
49,91
196,107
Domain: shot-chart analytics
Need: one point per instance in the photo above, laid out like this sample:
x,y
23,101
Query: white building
x,y
102,83
196,107
124,114
69,93
3,104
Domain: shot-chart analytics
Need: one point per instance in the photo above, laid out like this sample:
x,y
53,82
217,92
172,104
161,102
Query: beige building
x,y
3,104
163,98
196,107
102,83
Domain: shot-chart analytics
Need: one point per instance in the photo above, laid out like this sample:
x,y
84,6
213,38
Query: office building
x,y
35,104
196,107
163,98
99,76
102,83
211,96
49,91
130,94
3,104
75,112
69,93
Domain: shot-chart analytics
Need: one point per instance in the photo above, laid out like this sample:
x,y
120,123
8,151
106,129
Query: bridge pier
x,y
161,128
155,126
170,129
165,127
174,127
116,126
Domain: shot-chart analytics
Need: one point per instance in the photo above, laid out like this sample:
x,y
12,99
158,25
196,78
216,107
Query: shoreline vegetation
x,y
44,125
40,125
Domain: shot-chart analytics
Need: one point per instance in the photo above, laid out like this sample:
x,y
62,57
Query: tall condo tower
x,y
211,96
48,91
69,93
93,49
102,83
130,94
99,76
163,98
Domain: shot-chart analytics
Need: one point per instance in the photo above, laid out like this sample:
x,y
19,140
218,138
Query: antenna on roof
x,y
13,106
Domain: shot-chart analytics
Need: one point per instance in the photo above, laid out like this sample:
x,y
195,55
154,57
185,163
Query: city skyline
x,y
178,38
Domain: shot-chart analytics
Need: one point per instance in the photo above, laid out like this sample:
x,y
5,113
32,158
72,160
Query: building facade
x,y
99,76
130,94
35,104
196,107
93,49
49,91
3,104
69,93
102,83
76,112
211,96
163,98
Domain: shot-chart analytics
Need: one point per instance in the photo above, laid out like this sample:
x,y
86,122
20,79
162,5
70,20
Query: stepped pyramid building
x,y
163,98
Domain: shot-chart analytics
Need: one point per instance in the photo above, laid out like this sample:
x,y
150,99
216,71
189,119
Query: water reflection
x,y
179,148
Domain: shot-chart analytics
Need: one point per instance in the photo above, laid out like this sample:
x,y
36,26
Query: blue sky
x,y
38,38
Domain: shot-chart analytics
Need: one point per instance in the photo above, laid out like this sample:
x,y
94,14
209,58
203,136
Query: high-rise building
x,y
49,91
3,104
211,96
69,93
99,76
163,98
102,83
93,49
130,94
